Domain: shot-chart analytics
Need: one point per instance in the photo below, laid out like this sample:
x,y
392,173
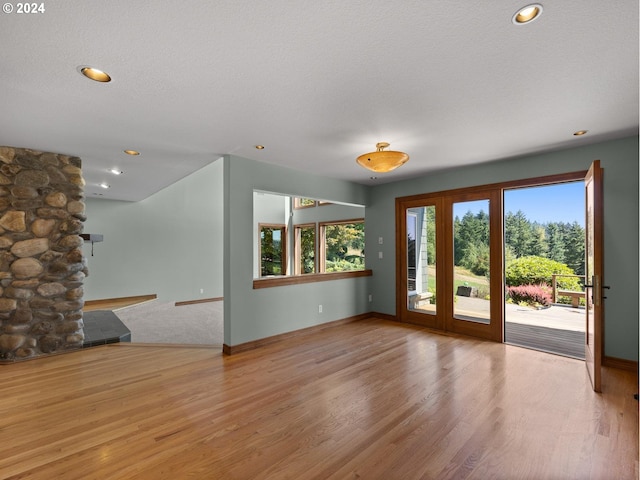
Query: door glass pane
x,y
471,261
421,259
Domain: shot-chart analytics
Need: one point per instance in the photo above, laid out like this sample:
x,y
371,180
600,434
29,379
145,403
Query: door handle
x,y
597,294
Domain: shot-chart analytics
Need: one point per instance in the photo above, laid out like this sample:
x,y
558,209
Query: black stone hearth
x,y
102,327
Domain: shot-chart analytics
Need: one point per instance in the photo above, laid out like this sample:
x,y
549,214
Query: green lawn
x,y
462,277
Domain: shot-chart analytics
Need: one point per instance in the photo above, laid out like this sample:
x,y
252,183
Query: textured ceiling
x,y
318,83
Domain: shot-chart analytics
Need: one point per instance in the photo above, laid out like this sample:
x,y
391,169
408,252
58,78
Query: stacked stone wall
x,y
42,266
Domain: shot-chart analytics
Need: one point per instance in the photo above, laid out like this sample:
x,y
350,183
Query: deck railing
x,y
556,292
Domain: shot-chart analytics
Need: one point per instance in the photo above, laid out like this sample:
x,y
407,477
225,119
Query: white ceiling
x,y
450,82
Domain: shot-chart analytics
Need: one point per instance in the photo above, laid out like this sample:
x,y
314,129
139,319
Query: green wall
x,y
619,159
169,244
254,314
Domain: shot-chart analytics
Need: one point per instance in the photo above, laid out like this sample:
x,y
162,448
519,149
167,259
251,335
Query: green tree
x,y
271,247
470,234
538,245
574,247
344,239
555,240
476,258
518,233
308,249
533,270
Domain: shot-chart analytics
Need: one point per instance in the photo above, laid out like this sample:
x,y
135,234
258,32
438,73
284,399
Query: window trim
x,y
297,248
320,275
322,247
275,226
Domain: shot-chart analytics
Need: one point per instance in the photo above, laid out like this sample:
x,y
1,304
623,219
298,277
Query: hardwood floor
x,y
370,399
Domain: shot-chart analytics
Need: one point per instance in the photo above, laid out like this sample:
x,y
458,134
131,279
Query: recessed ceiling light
x,y
579,133
95,74
132,152
116,171
527,14
260,147
104,185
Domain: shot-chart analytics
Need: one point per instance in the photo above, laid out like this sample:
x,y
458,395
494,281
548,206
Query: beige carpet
x,y
157,322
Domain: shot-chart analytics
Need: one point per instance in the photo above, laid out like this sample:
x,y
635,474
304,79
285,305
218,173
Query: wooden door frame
x,y
496,244
494,330
594,279
426,320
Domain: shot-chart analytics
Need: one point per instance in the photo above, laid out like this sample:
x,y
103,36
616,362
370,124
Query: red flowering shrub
x,y
533,295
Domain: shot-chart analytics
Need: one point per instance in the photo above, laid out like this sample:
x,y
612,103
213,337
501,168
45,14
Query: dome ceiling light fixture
x,y
527,14
95,74
382,161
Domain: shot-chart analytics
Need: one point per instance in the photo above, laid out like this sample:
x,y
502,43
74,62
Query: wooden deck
x,y
552,340
370,399
558,330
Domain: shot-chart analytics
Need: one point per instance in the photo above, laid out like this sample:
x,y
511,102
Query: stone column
x,y
42,266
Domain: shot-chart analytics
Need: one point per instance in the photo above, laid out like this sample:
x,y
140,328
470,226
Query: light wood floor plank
x,y
369,399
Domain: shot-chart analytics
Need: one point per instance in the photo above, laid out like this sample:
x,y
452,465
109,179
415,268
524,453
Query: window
x,y
273,250
342,247
289,243
305,248
299,202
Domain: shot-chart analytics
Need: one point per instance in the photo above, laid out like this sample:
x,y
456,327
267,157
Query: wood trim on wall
x,y
243,347
308,278
620,363
201,300
119,302
384,316
527,182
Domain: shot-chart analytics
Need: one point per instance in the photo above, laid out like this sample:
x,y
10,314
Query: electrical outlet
x,y
370,297
380,240
202,290
319,308
379,254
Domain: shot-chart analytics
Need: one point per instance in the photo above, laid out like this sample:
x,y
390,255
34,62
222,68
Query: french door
x,y
594,270
443,286
433,292
420,237
473,291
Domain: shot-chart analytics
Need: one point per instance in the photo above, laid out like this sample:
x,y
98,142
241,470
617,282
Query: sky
x,y
551,203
